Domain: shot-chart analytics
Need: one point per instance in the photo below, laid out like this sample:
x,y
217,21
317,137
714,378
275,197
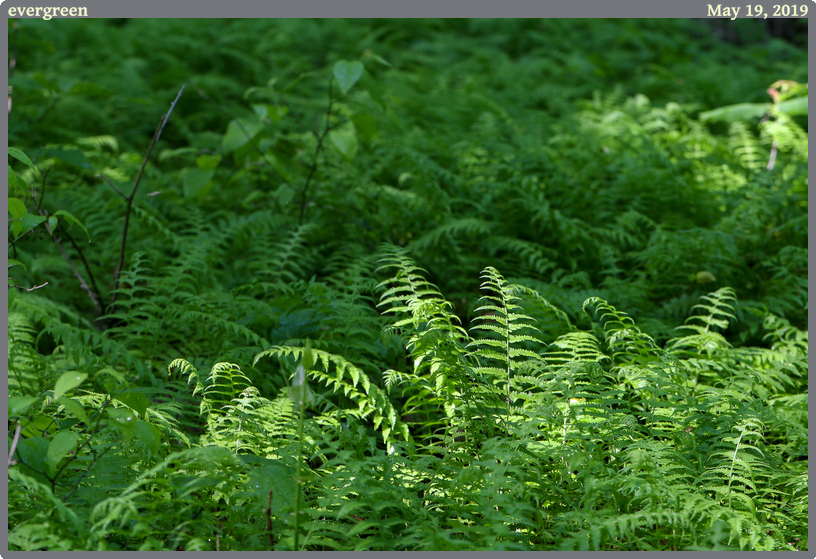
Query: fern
x,y
369,398
505,318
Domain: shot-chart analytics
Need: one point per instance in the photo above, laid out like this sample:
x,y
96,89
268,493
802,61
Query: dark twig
x,y
36,157
268,513
14,442
84,262
33,469
316,155
82,283
73,456
130,198
85,473
104,178
42,193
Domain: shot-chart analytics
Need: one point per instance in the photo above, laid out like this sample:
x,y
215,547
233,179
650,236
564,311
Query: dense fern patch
x,y
406,285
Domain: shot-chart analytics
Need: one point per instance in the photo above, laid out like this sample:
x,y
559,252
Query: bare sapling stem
x,y
130,198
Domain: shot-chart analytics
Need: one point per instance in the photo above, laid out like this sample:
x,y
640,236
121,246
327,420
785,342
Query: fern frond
x,y
504,319
354,384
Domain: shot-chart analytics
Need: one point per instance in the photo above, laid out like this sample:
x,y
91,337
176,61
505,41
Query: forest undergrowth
x,y
406,285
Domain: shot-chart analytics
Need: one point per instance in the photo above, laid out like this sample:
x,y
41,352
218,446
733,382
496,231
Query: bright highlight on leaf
x,y
68,381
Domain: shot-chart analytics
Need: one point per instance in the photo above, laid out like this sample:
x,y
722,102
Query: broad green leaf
x,y
345,142
208,162
71,156
284,194
378,58
18,154
17,404
135,401
62,443
280,480
240,132
297,81
68,381
71,220
34,452
52,224
734,113
124,420
374,89
28,222
75,408
194,181
347,74
149,435
12,179
168,154
794,107
261,110
38,425
366,126
275,113
16,208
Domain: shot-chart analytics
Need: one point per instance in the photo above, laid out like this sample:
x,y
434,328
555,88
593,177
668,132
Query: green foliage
x,y
407,285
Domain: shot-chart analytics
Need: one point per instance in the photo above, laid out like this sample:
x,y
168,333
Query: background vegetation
x,y
410,284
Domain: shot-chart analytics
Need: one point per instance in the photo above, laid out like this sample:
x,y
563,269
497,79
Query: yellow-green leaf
x,y
68,381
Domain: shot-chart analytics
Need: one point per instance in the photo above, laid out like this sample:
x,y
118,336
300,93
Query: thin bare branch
x,y
14,442
104,178
82,283
318,149
30,288
772,159
84,261
156,137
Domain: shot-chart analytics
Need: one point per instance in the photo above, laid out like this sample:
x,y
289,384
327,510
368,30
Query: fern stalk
x,y
297,474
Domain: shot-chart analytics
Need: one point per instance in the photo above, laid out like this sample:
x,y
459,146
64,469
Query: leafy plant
x,y
406,285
